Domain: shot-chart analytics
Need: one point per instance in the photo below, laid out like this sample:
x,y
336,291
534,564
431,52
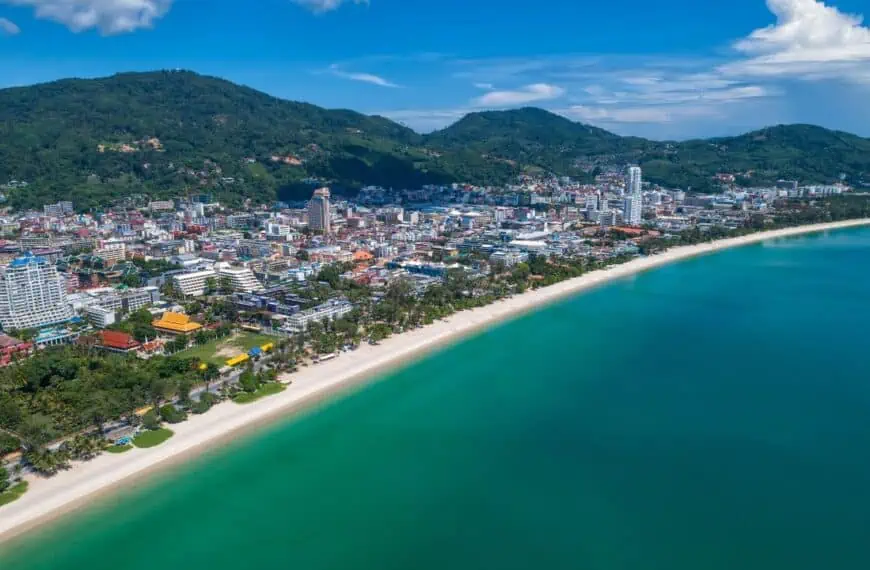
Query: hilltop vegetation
x,y
169,133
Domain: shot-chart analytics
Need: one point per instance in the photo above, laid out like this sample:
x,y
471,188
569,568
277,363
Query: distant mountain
x,y
539,138
170,132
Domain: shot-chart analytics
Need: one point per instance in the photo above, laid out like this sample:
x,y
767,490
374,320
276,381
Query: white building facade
x,y
32,294
331,310
633,180
633,210
193,284
241,279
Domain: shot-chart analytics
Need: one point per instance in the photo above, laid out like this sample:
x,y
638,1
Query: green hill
x,y
161,133
167,133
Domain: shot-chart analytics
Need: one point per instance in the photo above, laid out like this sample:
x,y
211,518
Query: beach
x,y
48,498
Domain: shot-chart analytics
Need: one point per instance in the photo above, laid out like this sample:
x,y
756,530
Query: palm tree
x,y
83,448
210,373
46,462
159,390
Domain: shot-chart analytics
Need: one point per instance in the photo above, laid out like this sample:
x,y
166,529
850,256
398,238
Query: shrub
x,y
205,403
8,444
172,414
151,420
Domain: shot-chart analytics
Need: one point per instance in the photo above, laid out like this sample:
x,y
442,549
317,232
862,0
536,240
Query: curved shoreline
x,y
48,499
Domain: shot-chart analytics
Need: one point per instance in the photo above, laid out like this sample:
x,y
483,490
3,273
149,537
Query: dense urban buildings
x,y
277,265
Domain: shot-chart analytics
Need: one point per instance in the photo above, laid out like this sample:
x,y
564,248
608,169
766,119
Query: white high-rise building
x,y
32,294
633,205
318,211
632,210
633,180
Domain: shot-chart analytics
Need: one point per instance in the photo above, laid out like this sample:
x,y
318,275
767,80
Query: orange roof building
x,y
362,255
175,323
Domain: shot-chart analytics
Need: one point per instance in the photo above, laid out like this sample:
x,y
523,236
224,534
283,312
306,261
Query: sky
x,y
671,69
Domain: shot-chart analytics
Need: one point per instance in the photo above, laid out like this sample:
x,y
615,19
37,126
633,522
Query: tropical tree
x,y
83,448
249,381
37,430
151,420
46,462
159,390
379,332
210,374
5,479
225,285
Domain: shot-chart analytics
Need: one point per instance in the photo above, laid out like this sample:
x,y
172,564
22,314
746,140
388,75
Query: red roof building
x,y
116,341
11,349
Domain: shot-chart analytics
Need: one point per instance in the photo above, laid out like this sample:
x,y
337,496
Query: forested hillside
x,y
169,133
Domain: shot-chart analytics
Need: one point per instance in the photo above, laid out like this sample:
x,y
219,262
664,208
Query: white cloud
x,y
809,39
108,16
362,77
529,94
484,86
642,114
8,27
121,16
320,6
426,120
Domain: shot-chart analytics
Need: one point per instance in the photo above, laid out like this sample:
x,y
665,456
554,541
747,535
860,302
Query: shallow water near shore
x,y
708,414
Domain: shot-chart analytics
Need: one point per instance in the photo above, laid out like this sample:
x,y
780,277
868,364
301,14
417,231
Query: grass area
x,y
152,438
237,343
262,392
119,448
13,493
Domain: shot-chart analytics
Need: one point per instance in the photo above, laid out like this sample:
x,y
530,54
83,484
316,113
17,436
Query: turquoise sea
x,y
712,414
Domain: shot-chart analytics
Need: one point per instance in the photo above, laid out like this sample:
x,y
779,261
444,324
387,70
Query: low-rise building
x,y
508,258
115,341
100,317
331,310
12,348
193,284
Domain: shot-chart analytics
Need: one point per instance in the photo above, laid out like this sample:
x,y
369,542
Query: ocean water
x,y
713,414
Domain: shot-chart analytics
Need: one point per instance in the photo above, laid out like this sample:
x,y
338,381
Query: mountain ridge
x,y
166,133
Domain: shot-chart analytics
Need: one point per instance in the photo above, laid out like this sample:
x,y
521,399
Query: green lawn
x,y
238,343
13,493
119,448
152,438
262,392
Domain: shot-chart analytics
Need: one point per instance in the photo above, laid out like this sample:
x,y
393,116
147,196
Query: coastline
x,y
48,499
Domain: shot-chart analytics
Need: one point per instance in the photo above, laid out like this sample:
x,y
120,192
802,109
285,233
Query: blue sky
x,y
670,69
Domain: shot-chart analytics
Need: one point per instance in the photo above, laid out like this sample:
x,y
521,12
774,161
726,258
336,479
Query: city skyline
x,y
669,73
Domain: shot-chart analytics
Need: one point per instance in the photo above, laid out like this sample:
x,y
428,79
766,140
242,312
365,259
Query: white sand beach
x,y
48,498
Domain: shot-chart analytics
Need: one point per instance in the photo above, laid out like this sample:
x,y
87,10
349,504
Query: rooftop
x,y
176,322
119,340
